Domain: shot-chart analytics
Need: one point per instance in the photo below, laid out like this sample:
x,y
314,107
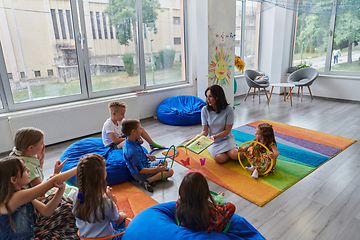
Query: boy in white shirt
x,y
112,135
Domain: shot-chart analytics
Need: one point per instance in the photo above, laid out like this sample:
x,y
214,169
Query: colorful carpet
x,y
131,199
301,152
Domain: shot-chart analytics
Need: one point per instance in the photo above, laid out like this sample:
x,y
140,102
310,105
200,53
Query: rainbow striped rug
x,y
301,152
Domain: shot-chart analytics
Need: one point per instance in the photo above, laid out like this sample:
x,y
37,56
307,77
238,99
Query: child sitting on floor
x,y
196,208
143,167
95,205
112,135
17,215
256,154
29,145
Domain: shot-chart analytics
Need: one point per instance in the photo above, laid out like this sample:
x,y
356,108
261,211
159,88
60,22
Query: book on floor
x,y
197,143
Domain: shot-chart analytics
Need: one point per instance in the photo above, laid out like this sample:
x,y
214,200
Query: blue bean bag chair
x,y
116,169
158,223
180,110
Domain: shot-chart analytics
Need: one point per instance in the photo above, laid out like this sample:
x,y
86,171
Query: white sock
x,y
255,174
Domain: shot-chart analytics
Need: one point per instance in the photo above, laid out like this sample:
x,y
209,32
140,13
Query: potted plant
x,y
302,64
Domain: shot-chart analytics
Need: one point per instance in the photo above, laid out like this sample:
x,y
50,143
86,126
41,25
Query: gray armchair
x,y
250,75
303,77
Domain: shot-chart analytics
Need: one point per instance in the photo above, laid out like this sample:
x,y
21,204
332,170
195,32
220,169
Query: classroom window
x,y
336,55
247,33
55,69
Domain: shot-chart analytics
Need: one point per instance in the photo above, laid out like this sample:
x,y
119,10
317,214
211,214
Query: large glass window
x,y
31,48
312,45
164,43
61,51
345,48
311,40
247,33
114,61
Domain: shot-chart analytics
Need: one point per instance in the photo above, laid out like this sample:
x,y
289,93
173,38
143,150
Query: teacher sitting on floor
x,y
217,119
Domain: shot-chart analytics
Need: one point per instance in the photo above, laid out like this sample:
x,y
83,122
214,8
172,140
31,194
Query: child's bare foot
x,y
255,174
250,169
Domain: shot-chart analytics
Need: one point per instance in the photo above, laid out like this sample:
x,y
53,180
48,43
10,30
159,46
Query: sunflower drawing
x,y
219,68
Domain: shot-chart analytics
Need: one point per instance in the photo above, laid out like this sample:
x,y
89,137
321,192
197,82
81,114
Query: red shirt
x,y
219,217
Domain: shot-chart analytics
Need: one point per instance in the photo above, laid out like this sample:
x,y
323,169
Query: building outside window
x,y
177,40
37,73
54,22
177,20
62,23
69,22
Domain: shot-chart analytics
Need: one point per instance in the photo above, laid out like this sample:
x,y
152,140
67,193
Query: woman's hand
x,y
59,165
213,137
110,194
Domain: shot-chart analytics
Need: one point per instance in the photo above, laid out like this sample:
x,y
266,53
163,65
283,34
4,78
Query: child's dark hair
x,y
194,207
92,185
267,133
9,167
128,125
218,93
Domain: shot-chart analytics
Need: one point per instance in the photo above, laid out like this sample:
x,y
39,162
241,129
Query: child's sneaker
x,y
153,184
155,145
147,186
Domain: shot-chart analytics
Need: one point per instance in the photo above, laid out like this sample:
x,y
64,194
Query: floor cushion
x,y
116,169
180,110
158,223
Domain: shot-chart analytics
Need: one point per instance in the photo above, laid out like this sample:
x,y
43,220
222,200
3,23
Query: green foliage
x,y
128,63
313,31
303,64
158,64
166,58
122,15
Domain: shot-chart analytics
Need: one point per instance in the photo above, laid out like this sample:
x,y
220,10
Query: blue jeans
x,y
154,164
118,227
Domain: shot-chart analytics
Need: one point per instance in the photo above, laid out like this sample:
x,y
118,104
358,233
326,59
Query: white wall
x,y
336,87
275,42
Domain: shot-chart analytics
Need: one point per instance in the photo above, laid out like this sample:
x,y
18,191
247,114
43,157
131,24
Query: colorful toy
x,y
220,200
267,150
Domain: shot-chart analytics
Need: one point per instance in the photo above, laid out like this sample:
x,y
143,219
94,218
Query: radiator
x,y
68,121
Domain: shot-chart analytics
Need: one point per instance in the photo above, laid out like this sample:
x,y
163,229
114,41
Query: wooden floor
x,y
323,205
